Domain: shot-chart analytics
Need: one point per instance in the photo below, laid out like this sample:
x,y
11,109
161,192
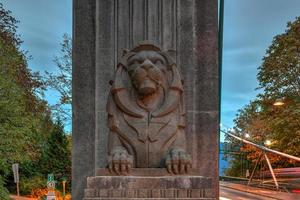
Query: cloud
x,y
249,28
42,24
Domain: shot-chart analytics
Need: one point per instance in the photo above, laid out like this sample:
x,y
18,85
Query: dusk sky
x,y
249,28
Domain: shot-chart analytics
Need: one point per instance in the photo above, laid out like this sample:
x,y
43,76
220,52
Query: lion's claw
x,y
178,162
120,162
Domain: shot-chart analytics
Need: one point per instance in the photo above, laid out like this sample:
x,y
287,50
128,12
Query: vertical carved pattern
x,y
175,31
146,19
138,21
123,25
153,17
130,24
160,24
168,31
115,32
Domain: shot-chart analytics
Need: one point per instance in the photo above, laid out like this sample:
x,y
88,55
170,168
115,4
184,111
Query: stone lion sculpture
x,y
146,114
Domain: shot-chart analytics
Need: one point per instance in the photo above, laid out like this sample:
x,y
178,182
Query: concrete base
x,y
148,187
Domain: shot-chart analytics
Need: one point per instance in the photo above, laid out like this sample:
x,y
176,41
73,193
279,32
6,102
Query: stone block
x,y
148,187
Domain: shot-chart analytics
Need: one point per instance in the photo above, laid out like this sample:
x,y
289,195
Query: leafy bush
x,y
4,195
28,185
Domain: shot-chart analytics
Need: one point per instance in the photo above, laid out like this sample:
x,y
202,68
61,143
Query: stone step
x,y
146,187
148,193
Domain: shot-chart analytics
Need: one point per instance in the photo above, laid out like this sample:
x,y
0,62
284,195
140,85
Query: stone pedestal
x,y
102,29
154,185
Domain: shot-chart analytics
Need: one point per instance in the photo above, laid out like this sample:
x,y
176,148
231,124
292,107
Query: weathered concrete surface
x,y
145,187
83,130
102,29
153,172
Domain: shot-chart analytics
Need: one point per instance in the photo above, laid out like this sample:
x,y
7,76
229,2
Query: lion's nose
x,y
147,64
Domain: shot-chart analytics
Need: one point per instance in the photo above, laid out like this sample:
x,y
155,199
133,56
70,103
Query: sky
x,y
249,26
41,27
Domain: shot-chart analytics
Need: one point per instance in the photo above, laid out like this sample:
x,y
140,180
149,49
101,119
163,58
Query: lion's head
x,y
147,70
147,67
150,74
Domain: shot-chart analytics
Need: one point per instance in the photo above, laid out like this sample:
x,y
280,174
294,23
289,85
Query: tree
x,y
56,157
18,103
279,78
24,116
279,75
61,81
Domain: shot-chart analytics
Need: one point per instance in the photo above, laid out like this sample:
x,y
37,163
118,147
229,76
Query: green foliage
x,y
279,78
235,169
8,27
279,75
56,157
4,195
22,112
28,135
27,185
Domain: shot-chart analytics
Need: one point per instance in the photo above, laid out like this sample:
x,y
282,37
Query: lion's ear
x,y
124,52
177,81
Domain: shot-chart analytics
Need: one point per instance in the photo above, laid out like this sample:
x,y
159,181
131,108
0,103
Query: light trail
x,y
223,198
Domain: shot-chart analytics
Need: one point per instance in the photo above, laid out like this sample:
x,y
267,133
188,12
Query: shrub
x,y
4,195
28,185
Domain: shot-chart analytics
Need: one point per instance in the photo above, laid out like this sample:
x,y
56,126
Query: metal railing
x,y
262,154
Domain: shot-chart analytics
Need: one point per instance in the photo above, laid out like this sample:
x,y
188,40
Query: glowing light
x,y
247,135
224,198
296,191
278,102
268,142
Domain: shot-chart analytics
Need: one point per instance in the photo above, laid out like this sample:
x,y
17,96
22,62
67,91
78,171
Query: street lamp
x,y
268,142
278,102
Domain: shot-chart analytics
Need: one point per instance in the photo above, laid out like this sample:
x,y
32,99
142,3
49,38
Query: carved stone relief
x,y
146,114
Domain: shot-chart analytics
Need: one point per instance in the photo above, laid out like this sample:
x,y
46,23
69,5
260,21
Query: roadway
x,y
231,194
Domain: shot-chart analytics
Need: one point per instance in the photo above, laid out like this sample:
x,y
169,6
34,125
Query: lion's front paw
x,y
178,161
120,161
